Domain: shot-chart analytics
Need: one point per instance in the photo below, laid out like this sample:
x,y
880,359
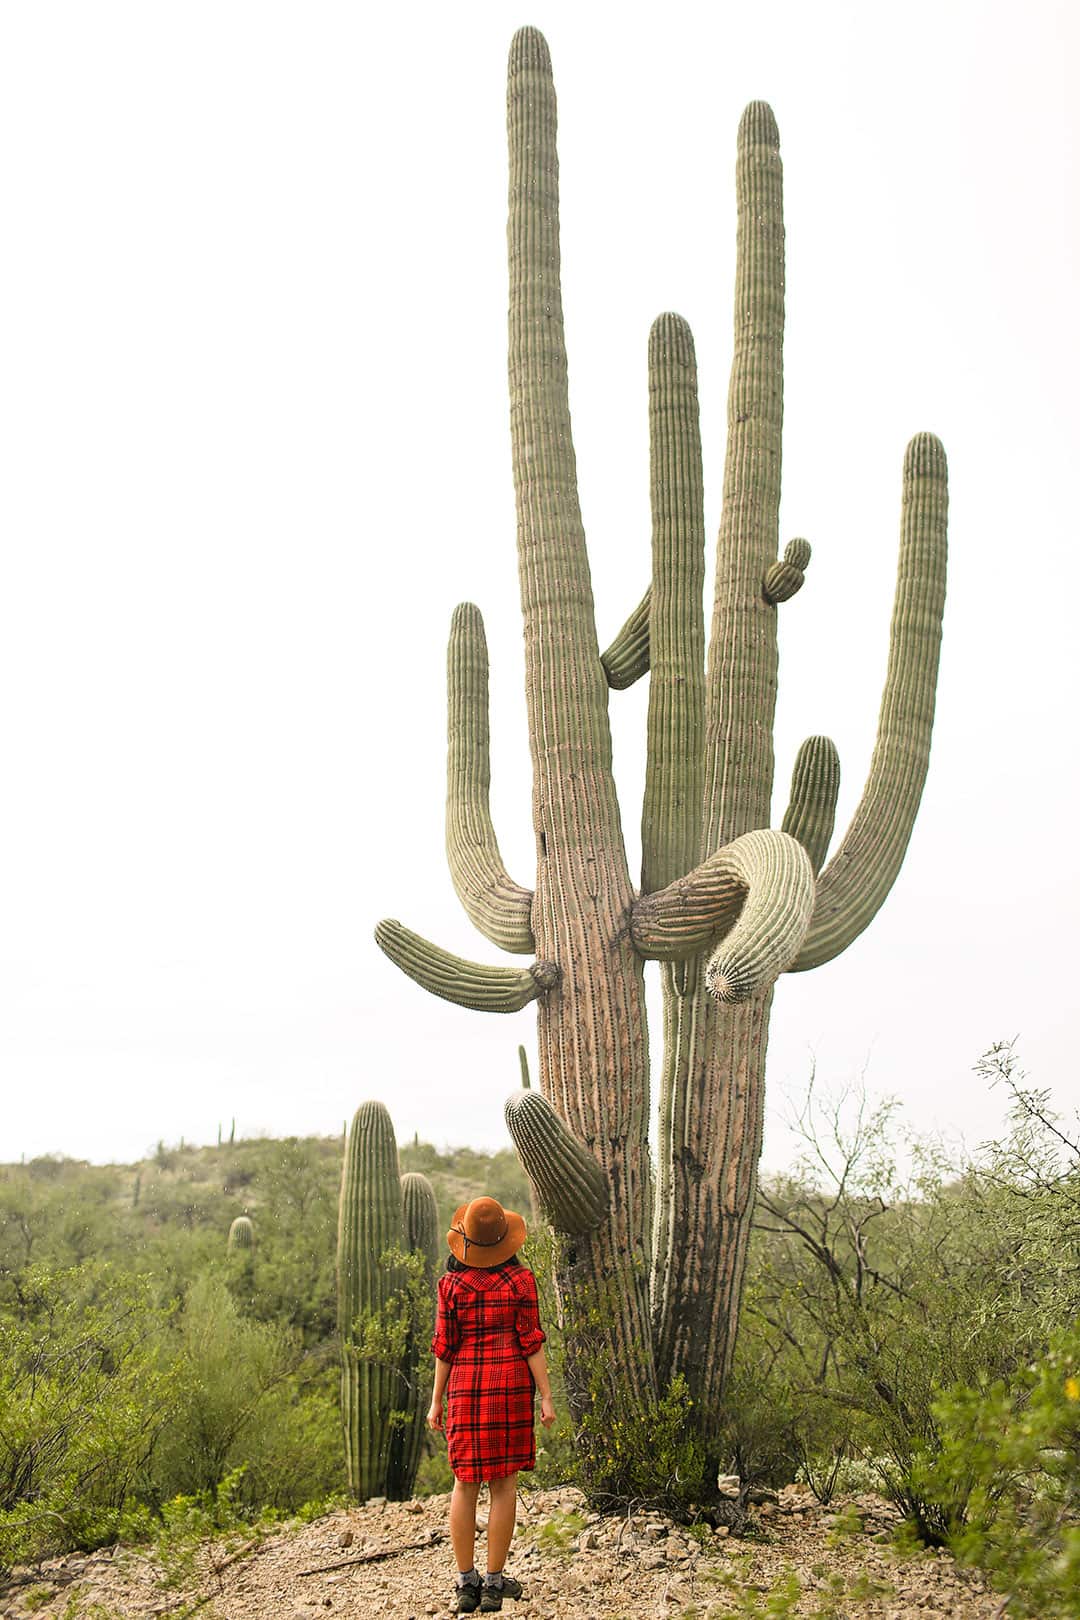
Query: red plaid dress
x,y
487,1322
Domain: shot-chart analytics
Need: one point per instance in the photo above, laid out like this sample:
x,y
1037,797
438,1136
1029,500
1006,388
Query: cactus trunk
x,y
369,1226
421,1227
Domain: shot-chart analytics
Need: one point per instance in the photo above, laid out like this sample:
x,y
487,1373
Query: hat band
x,y
478,1243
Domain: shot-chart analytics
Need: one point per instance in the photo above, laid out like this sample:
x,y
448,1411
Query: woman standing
x,y
488,1348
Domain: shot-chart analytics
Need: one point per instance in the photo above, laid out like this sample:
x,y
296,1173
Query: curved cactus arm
x,y
694,911
571,1188
469,984
498,906
785,577
627,659
864,867
815,783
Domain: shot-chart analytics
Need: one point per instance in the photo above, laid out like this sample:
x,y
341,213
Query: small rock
x,y
587,1539
481,1524
345,1539
728,1484
414,1507
376,1501
432,1608
722,1530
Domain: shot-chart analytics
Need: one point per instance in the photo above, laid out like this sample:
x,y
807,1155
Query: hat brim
x,y
484,1257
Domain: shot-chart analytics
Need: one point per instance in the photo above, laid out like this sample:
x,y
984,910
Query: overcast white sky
x,y
254,446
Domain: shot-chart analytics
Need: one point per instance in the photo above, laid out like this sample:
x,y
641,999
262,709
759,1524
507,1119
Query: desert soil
x,y
573,1565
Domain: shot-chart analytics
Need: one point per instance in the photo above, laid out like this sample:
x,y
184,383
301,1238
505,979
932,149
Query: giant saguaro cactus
x,y
726,904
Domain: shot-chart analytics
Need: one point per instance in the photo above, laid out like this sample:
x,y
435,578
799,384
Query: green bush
x,y
83,1397
225,1367
1006,1478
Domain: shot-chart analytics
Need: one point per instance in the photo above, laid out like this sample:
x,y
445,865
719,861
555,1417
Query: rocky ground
x,y
797,1558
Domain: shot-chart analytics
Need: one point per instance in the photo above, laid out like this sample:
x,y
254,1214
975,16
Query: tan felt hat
x,y
484,1234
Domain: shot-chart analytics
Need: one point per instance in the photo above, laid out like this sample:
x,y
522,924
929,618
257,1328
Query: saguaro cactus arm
x,y
570,1185
758,891
786,576
498,906
815,783
671,809
627,658
864,867
469,984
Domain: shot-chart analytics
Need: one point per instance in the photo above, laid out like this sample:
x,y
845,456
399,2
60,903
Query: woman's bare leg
x,y
501,1516
463,1522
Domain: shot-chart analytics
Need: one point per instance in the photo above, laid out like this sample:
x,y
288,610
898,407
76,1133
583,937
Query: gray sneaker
x,y
467,1597
491,1602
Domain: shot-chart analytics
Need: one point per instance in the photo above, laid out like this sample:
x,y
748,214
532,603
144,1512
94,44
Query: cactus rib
x,y
468,984
862,871
498,906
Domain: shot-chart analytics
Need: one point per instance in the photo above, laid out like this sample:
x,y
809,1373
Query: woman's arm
x,y
538,1367
442,1374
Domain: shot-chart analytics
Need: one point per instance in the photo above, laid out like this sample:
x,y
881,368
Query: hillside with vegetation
x,y
910,1329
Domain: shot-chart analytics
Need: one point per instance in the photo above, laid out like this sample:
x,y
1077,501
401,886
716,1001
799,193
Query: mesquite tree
x,y
649,1279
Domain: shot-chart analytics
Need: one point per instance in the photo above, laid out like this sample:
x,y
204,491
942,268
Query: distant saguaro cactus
x,y
242,1233
649,1278
421,1222
381,1217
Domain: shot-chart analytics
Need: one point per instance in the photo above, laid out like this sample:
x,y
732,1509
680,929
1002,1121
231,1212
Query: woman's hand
x,y
547,1411
435,1415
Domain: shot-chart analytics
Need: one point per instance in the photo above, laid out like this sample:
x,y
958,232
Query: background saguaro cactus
x,y
650,1278
242,1233
415,1372
382,1217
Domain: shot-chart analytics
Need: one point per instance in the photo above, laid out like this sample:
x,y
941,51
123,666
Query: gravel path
x,y
573,1565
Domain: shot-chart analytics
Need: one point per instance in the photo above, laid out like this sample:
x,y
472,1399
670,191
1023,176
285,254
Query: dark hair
x,y
454,1264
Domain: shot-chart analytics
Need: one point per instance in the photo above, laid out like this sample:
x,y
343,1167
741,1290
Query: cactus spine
x,y
383,1395
726,903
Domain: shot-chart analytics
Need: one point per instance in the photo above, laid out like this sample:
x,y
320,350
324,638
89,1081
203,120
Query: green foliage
x,y
654,1456
558,1534
195,1538
880,1275
1006,1478
83,1398
226,1369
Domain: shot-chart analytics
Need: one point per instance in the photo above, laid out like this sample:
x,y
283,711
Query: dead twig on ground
x,y
374,1557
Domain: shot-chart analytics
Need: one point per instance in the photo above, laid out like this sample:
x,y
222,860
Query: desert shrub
x,y
83,1396
224,1367
875,1287
1006,1478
